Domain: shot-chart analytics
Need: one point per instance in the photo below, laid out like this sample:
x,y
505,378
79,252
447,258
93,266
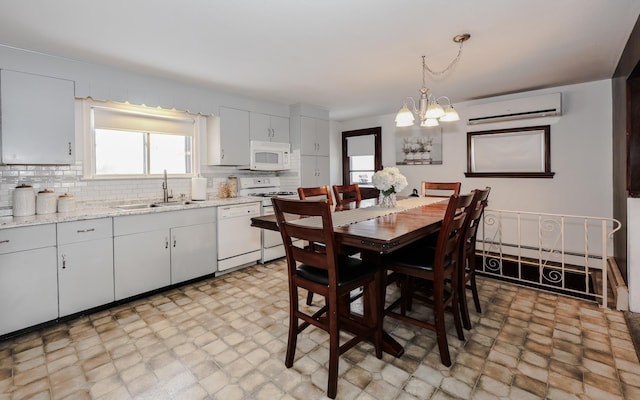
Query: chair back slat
x,y
321,256
439,189
314,193
347,193
451,231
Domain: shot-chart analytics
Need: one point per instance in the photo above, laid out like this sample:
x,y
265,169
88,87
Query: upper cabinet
x,y
228,138
269,128
314,136
37,114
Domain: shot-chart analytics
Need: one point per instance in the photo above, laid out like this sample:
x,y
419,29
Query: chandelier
x,y
431,110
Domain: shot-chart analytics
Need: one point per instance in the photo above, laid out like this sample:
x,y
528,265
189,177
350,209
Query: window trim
x,y
88,161
377,157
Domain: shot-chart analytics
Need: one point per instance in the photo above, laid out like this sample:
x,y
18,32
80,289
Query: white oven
x,y
266,188
269,156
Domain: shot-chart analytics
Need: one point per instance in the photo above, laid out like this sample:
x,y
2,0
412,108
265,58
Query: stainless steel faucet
x,y
165,189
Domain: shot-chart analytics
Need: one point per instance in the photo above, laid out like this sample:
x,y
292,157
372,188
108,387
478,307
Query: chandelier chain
x,y
444,71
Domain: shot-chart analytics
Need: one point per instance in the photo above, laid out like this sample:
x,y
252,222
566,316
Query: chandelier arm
x,y
413,104
451,64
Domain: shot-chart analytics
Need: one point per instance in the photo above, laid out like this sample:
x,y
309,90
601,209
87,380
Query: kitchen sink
x,y
142,206
134,206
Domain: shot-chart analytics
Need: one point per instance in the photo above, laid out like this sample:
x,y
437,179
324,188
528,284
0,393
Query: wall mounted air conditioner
x,y
547,105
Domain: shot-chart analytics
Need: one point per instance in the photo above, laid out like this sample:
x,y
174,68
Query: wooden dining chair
x,y
438,268
467,247
311,193
320,270
314,193
439,189
347,193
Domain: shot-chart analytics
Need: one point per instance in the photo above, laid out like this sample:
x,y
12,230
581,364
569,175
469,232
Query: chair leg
x,y
293,328
474,287
310,298
441,335
457,282
474,291
334,352
462,297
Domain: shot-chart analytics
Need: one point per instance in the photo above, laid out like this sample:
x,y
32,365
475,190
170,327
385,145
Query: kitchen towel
x,y
198,188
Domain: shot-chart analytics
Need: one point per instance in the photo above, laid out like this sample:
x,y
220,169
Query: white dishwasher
x,y
238,242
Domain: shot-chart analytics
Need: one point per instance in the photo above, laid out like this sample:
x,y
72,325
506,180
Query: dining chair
x,y
319,269
314,193
347,193
438,269
305,193
439,189
468,254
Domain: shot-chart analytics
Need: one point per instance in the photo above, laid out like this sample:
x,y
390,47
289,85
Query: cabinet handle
x,y
64,261
174,242
4,241
166,243
222,154
69,148
86,230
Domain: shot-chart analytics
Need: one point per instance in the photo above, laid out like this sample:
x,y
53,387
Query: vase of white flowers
x,y
389,181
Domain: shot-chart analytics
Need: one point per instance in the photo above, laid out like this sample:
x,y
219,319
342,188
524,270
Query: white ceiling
x,y
355,57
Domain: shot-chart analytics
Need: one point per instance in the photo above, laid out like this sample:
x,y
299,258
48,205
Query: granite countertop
x,y
82,213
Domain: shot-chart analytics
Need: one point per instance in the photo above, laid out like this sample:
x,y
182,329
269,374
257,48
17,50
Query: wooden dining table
x,y
378,236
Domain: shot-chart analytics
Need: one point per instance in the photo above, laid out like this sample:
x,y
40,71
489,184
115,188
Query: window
x,y
137,141
361,157
361,169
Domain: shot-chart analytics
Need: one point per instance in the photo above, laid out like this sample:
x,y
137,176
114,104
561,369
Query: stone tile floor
x,y
225,337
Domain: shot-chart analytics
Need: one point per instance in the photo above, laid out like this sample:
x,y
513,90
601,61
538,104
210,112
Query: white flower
x,y
389,180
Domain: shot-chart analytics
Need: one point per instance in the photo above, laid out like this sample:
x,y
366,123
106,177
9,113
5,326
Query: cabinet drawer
x,y
27,237
81,231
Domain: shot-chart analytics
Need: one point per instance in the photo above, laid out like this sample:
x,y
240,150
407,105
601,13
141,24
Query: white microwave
x,y
269,156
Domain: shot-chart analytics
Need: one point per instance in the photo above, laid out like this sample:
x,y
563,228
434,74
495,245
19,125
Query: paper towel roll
x,y
198,188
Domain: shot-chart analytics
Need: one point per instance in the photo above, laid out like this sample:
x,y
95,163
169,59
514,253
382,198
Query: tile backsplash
x,y
68,179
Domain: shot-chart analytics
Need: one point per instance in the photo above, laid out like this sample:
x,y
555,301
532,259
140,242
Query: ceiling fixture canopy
x,y
431,110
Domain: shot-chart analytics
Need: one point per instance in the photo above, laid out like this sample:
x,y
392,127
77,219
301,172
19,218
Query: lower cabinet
x,y
28,281
193,251
160,249
85,265
141,262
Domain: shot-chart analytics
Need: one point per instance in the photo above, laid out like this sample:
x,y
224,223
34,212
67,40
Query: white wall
x,y
633,253
580,155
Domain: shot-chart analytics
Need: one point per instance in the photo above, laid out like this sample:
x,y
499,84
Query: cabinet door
x,y
28,288
314,170
260,127
141,262
193,251
322,137
38,125
234,136
85,275
322,164
314,136
308,143
280,129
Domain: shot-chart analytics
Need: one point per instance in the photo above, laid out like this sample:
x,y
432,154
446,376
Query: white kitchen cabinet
x,y
269,128
314,136
28,279
141,262
228,137
193,251
314,171
85,265
38,125
159,249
